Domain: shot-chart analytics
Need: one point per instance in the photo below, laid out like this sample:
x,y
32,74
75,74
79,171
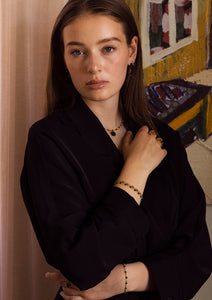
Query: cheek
x,y
74,72
119,68
75,77
70,64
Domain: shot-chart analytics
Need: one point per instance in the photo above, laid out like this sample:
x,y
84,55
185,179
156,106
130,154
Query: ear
x,y
133,48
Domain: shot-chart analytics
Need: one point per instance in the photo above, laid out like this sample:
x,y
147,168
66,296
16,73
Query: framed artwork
x,y
167,25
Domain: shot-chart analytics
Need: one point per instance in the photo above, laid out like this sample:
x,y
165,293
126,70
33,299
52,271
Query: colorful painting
x,y
159,26
185,106
161,29
183,16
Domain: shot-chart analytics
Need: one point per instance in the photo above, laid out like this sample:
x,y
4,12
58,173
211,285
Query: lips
x,y
96,84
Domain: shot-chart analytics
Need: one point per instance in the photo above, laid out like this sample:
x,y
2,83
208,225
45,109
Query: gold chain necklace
x,y
113,131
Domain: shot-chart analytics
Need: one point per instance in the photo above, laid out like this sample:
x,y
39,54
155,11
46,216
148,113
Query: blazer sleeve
x,y
84,243
181,269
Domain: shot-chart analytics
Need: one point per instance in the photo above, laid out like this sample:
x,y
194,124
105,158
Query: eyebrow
x,y
106,40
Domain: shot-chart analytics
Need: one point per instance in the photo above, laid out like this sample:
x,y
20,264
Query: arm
x,y
138,278
69,231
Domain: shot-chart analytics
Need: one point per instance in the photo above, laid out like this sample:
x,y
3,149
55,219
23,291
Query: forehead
x,y
93,28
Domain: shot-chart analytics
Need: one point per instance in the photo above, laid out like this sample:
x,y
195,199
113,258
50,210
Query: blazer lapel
x,y
91,129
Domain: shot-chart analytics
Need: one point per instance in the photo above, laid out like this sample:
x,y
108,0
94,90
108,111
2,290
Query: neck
x,y
106,111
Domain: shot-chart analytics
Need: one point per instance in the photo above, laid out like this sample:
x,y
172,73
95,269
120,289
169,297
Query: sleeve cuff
x,y
165,274
121,205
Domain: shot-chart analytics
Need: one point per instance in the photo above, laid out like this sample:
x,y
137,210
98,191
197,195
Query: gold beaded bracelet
x,y
125,274
130,186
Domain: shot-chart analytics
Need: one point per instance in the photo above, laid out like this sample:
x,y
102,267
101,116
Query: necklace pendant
x,y
113,131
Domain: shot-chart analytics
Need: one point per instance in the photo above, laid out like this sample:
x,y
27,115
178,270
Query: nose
x,y
94,63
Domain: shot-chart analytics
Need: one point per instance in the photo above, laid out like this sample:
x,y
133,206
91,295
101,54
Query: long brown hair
x,y
61,92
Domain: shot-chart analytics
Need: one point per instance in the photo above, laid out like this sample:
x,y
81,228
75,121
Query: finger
x,y
128,138
152,132
160,141
69,285
65,284
54,276
164,152
74,286
72,292
144,128
66,297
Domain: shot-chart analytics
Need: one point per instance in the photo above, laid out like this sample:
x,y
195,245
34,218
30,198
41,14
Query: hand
x,y
144,152
111,286
58,276
68,287
142,155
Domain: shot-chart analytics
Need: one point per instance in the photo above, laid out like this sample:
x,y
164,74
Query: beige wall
x,y
200,158
25,29
205,293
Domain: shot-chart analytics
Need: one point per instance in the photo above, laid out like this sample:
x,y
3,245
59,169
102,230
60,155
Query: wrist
x,y
130,189
134,168
119,279
139,278
138,179
132,183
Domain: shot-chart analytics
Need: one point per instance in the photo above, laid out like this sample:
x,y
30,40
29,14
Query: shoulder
x,y
50,125
170,136
56,132
176,153
164,130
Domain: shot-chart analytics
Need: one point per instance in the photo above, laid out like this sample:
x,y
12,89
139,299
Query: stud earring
x,y
131,68
133,63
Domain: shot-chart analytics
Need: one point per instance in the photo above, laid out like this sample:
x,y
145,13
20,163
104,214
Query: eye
x,y
109,49
77,52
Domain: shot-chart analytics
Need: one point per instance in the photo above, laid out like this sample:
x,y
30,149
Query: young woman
x,y
112,198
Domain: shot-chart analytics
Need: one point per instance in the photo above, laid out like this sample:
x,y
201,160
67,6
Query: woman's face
x,y
96,55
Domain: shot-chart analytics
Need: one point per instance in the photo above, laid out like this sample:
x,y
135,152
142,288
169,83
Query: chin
x,y
96,97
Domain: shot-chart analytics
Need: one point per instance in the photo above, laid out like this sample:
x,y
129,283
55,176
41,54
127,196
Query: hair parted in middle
x,y
61,93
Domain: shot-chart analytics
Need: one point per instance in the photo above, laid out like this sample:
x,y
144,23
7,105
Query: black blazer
x,y
86,226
